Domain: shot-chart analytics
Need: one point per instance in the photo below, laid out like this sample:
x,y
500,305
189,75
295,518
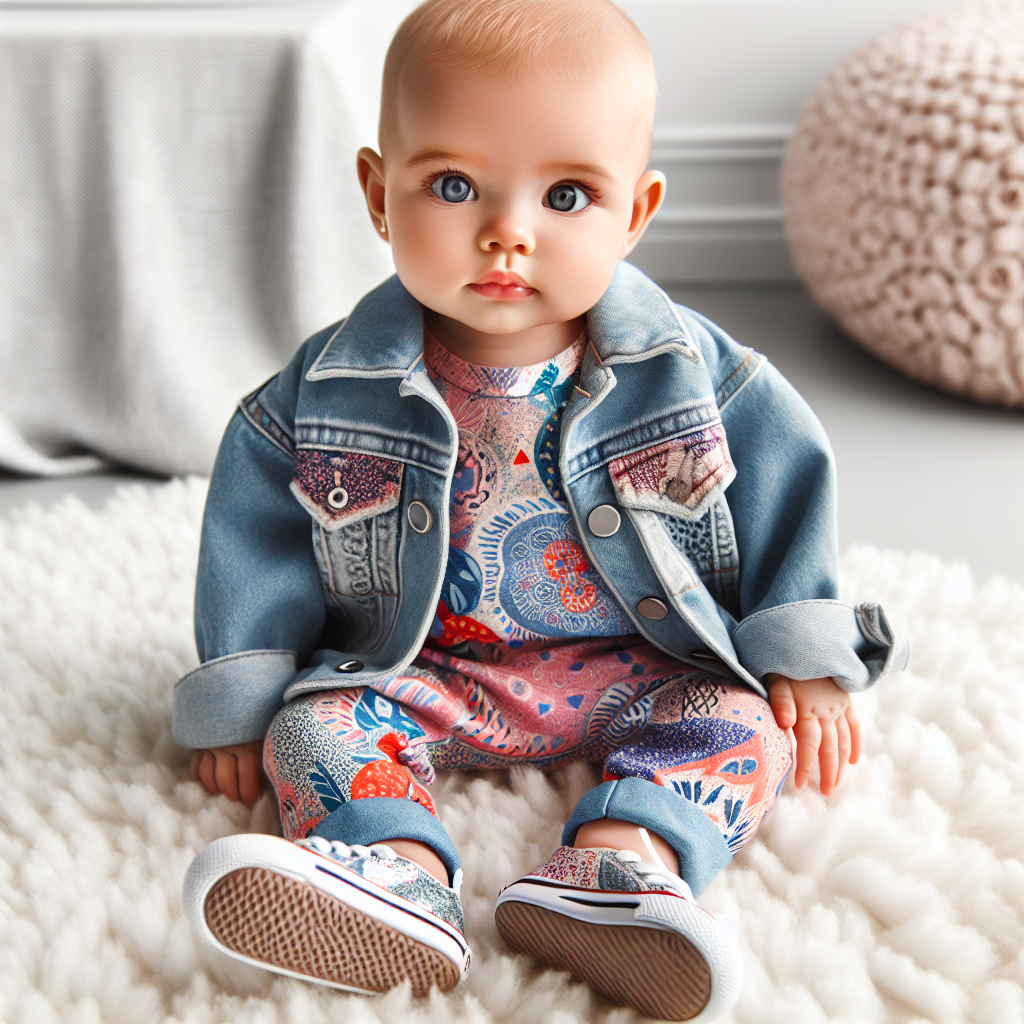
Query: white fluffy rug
x,y
901,899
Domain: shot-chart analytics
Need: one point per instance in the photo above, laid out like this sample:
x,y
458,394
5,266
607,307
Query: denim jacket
x,y
313,577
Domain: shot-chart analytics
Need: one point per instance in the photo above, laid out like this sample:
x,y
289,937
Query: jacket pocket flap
x,y
339,488
680,477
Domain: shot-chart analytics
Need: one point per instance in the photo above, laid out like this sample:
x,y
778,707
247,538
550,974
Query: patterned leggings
x,y
714,744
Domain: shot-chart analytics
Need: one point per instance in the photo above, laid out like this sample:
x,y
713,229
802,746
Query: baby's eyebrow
x,y
555,167
594,170
442,155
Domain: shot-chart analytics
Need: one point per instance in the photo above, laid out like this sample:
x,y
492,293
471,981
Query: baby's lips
x,y
503,292
503,277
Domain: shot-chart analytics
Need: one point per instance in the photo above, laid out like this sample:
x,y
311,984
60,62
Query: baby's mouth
x,y
503,286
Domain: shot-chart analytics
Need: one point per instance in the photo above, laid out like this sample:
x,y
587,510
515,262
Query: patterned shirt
x,y
529,654
517,573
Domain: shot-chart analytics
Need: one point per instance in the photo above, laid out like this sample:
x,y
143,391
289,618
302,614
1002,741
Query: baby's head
x,y
514,136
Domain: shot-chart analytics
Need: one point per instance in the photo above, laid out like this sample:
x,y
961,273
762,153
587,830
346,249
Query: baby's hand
x,y
823,721
235,771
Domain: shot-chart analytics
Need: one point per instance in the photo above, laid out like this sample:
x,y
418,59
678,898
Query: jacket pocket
x,y
353,500
680,477
342,488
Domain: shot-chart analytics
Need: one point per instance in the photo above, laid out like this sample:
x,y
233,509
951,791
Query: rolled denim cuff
x,y
376,819
815,639
230,699
702,849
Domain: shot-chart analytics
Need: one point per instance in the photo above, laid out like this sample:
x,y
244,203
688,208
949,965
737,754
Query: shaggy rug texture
x,y
900,899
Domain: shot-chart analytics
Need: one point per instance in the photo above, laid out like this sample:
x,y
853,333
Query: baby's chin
x,y
494,316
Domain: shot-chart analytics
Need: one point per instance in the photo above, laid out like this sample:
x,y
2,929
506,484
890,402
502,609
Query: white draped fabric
x,y
179,209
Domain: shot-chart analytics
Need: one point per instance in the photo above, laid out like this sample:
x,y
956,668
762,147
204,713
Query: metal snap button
x,y
337,497
652,608
419,516
604,521
350,666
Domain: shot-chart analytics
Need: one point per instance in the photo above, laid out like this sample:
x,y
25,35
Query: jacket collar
x,y
383,336
635,319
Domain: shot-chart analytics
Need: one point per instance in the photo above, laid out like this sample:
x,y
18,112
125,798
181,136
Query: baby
x,y
516,509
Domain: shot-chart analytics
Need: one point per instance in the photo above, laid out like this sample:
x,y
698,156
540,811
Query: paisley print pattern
x,y
547,585
345,487
517,572
714,744
338,745
677,476
718,746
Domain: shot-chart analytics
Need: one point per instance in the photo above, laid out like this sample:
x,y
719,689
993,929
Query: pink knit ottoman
x,y
903,190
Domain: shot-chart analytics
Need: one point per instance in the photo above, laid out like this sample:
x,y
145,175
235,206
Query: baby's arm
x,y
260,605
824,723
791,623
235,771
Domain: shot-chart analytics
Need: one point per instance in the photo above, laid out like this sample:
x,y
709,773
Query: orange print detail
x,y
460,628
385,778
563,558
579,597
391,743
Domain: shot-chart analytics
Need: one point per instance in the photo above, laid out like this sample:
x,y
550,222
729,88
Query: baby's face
x,y
509,204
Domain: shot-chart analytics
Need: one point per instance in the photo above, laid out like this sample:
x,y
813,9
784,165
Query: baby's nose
x,y
507,232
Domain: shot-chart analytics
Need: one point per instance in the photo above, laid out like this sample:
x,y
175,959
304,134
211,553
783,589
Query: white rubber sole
x,y
361,937
656,952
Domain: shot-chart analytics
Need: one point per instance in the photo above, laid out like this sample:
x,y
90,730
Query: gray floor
x,y
918,470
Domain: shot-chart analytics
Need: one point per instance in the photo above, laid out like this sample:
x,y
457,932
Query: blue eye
x,y
452,188
567,198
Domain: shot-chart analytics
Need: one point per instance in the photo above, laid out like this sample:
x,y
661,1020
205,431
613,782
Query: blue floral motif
x,y
547,585
463,582
326,788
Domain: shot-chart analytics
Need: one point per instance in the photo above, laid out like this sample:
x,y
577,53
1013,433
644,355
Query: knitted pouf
x,y
903,190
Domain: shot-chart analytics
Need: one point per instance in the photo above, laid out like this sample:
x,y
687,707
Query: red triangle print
x,y
521,458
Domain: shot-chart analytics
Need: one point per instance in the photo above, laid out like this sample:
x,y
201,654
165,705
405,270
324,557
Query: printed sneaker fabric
x,y
590,869
406,879
529,658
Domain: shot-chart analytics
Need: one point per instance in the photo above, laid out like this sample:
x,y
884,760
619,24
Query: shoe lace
x,y
654,874
342,851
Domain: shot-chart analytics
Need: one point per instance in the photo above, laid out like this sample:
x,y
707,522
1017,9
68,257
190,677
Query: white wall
x,y
733,75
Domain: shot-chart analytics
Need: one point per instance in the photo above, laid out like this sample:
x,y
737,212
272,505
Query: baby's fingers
x,y
205,769
845,745
808,739
226,774
250,777
855,734
828,757
780,696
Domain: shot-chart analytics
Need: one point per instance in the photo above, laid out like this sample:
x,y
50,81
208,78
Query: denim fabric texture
x,y
228,688
702,850
852,659
752,585
378,819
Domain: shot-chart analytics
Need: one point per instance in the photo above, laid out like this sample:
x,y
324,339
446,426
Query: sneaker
x,y
356,918
631,930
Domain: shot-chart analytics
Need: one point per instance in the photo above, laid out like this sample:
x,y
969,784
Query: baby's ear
x,y
370,168
648,195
